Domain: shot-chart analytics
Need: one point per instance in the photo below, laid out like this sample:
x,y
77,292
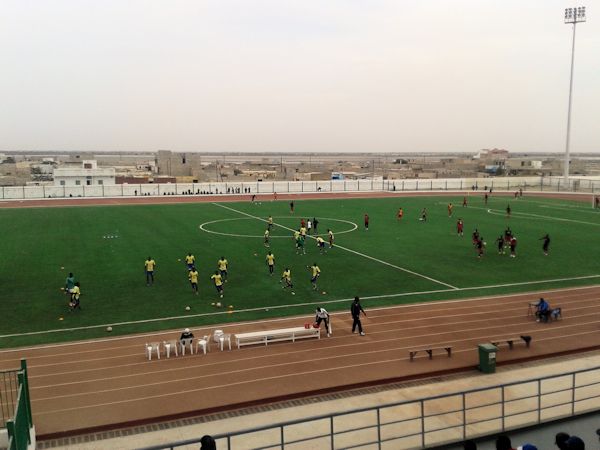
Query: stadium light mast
x,y
572,16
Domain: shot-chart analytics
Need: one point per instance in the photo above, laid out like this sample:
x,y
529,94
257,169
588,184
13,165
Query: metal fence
x,y
9,387
270,187
428,422
17,417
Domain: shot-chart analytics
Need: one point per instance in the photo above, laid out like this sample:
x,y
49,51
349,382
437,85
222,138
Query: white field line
x,y
345,248
519,215
263,308
548,204
276,377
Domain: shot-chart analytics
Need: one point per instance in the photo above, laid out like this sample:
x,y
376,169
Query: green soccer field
x,y
392,263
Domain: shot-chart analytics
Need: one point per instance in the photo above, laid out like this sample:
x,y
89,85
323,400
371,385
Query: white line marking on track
x,y
363,353
345,248
508,305
295,352
276,377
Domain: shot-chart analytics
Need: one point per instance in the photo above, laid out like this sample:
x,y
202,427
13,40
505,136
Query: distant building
x,y
87,173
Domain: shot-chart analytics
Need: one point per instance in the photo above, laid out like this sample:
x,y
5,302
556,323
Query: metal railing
x,y
20,422
9,387
588,185
426,422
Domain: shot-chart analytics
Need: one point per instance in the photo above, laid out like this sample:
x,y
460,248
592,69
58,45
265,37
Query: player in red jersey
x,y
460,227
400,214
513,247
366,222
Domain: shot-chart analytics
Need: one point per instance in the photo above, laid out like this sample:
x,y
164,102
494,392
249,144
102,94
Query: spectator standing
x,y
355,310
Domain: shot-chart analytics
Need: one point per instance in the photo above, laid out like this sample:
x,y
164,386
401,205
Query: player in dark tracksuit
x,y
546,244
355,310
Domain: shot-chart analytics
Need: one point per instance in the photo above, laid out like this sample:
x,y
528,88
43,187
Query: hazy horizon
x,y
231,76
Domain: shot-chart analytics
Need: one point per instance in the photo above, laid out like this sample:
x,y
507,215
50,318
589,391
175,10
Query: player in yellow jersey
x,y
321,244
193,277
270,223
331,237
190,260
267,238
315,274
287,278
218,282
222,264
303,232
270,262
75,293
149,265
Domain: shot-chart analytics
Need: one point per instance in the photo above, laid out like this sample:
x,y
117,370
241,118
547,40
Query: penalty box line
x,y
346,249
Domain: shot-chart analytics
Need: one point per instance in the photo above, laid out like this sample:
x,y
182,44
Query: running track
x,y
109,383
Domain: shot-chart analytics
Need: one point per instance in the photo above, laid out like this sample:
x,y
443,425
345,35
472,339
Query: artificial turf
x,y
105,247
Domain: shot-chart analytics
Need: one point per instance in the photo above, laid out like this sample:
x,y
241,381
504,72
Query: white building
x,y
87,174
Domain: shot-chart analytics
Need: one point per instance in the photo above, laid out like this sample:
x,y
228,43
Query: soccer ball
x,y
187,308
293,293
489,210
323,292
109,329
218,304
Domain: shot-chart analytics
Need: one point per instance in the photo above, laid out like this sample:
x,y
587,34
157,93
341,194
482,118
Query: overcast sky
x,y
287,75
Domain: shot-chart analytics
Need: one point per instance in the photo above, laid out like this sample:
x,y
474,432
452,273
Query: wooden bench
x,y
429,351
511,341
284,334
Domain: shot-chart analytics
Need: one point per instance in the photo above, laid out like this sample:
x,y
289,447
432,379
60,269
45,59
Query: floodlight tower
x,y
574,16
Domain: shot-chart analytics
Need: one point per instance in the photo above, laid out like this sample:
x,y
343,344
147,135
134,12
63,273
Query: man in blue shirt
x,y
543,309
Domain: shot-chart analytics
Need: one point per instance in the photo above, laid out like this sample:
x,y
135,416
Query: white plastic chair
x,y
151,347
203,342
189,342
225,338
171,345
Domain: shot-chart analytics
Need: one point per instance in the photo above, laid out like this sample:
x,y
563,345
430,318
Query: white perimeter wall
x,y
267,187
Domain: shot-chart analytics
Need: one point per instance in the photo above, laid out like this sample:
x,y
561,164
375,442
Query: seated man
x,y
542,310
187,334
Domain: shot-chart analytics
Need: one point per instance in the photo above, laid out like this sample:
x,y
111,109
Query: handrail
x,y
504,402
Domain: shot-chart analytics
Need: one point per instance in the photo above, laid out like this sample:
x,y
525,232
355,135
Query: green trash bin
x,y
487,358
